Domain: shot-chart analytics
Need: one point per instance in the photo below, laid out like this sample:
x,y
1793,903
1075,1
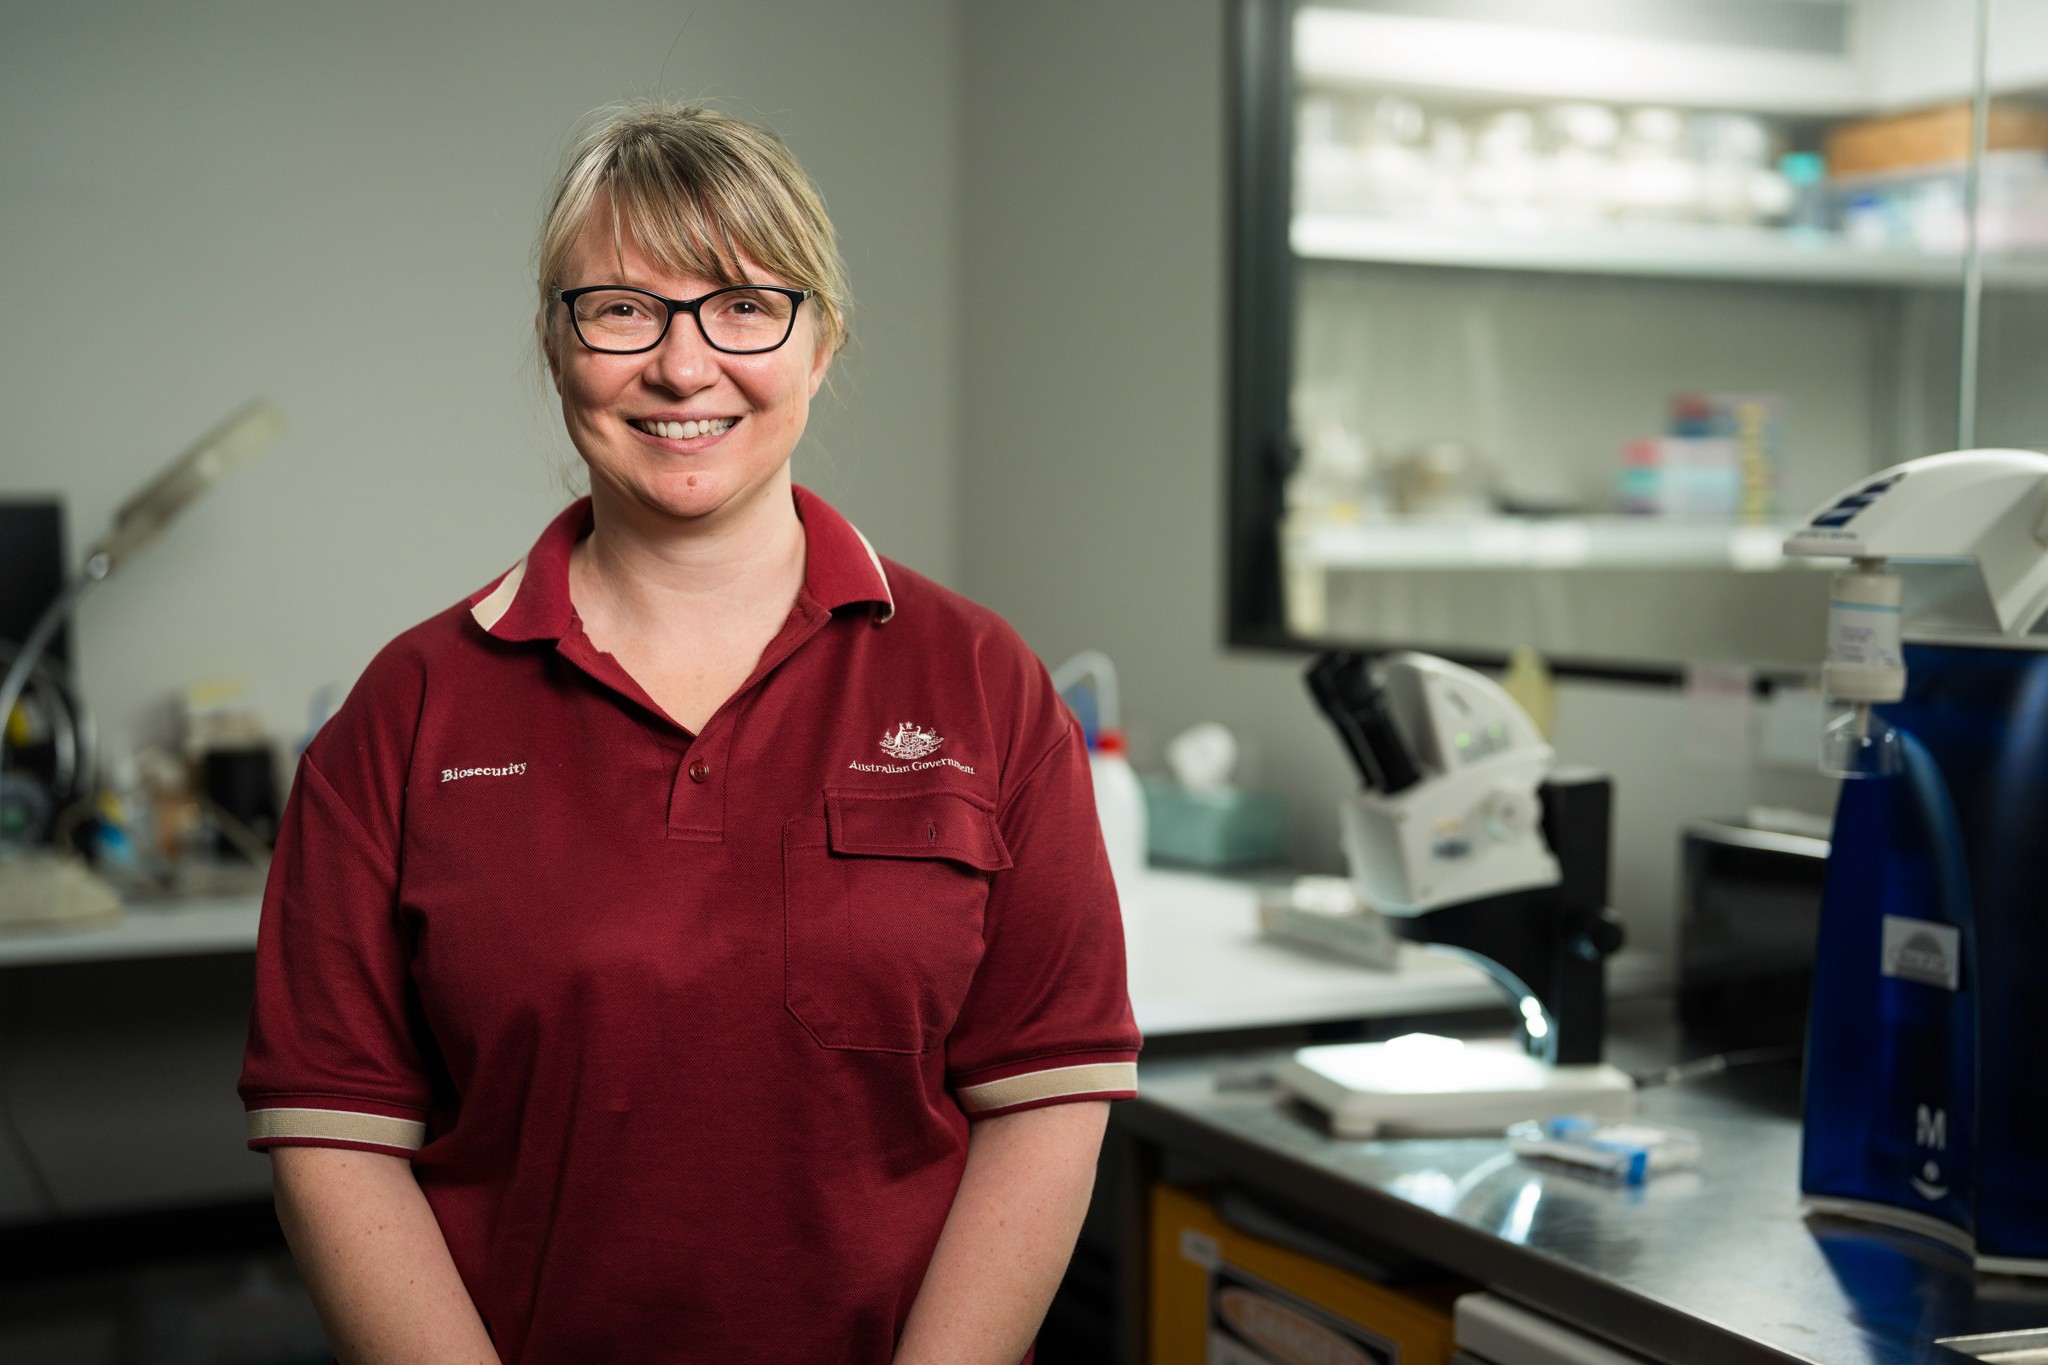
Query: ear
x,y
821,361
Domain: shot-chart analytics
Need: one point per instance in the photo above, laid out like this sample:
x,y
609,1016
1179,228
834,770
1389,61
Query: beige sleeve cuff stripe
x,y
1058,1083
336,1125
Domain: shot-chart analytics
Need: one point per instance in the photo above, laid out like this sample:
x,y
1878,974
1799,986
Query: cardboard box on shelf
x,y
1928,137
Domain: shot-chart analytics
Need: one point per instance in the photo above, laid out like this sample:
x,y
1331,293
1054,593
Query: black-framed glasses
x,y
744,319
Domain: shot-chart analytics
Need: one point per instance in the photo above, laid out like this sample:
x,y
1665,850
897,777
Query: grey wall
x,y
210,200
204,201
1094,401
1094,383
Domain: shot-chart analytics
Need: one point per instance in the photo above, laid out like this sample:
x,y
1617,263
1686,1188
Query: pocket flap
x,y
916,824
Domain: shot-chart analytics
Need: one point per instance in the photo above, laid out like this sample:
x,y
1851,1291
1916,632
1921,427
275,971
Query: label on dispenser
x,y
1864,635
1921,950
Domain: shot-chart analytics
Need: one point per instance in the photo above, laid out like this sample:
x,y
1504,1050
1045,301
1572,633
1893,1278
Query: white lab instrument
x,y
1421,1084
1469,828
1471,841
1924,1069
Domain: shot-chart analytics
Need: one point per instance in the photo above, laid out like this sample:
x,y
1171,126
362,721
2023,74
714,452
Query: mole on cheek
x,y
693,481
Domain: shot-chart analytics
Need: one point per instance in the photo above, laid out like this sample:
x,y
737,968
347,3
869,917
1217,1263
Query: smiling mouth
x,y
685,431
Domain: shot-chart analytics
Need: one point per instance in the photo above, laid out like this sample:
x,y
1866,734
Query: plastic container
x,y
1626,1153
1640,488
1811,213
1088,683
1120,804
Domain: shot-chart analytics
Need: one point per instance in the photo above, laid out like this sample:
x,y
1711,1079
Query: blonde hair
x,y
696,190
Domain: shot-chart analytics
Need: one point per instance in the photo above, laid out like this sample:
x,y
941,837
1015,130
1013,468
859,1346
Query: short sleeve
x,y
333,1058
1048,1018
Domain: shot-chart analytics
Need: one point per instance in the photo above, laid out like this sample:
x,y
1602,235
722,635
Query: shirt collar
x,y
530,601
840,567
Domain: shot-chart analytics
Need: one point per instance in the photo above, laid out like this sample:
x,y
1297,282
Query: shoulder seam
x,y
1031,769
362,829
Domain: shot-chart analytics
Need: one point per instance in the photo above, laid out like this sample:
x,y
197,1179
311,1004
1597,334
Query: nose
x,y
684,362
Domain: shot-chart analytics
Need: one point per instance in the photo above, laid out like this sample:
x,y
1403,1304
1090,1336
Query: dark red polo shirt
x,y
683,1033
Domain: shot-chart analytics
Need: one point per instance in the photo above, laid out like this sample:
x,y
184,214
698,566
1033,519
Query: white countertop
x,y
1197,962
179,928
1199,965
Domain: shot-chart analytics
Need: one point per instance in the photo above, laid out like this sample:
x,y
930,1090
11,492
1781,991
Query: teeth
x,y
687,431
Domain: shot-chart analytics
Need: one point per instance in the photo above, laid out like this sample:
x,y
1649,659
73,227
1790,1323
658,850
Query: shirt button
x,y
700,771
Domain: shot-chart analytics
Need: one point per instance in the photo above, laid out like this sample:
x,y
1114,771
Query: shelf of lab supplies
x,y
175,928
1671,251
1536,543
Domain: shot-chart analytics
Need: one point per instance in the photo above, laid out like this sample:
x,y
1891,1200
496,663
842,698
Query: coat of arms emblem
x,y
909,740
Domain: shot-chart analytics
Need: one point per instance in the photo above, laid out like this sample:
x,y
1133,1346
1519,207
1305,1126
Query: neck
x,y
661,571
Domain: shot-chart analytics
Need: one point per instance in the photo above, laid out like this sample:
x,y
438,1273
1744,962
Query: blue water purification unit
x,y
1927,1055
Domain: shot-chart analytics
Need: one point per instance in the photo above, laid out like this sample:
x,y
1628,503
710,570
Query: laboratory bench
x,y
1696,1267
185,927
1197,963
120,1042
125,1039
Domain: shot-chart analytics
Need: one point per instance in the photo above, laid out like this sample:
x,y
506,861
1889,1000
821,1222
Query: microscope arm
x,y
1554,940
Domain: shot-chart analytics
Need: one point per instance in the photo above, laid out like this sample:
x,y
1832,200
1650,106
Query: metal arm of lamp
x,y
231,444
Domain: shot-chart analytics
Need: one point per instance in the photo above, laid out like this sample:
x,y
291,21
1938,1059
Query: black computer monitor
x,y
31,567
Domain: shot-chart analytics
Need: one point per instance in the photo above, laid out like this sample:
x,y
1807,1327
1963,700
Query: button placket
x,y
696,808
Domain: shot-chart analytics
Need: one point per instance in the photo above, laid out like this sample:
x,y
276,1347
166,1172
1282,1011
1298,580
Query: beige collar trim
x,y
888,597
492,607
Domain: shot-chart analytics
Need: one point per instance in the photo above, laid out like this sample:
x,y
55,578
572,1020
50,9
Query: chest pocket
x,y
882,909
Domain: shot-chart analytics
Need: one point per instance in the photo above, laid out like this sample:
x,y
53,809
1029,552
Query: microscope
x,y
1471,840
1926,1079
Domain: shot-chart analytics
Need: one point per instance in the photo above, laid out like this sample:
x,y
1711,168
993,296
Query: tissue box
x,y
1224,827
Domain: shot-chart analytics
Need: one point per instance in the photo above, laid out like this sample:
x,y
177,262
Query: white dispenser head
x,y
1989,507
1986,508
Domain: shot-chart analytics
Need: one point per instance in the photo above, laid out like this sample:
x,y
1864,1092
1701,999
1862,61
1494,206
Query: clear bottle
x,y
125,842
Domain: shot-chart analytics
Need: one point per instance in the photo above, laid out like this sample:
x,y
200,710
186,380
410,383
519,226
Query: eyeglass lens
x,y
739,319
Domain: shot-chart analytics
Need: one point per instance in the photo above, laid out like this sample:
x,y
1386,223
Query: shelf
x,y
1537,543
1626,60
1675,251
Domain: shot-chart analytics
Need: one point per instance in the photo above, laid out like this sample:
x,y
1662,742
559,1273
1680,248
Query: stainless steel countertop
x,y
1716,1264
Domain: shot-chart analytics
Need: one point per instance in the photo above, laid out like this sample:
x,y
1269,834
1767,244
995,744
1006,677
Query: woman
x,y
698,945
